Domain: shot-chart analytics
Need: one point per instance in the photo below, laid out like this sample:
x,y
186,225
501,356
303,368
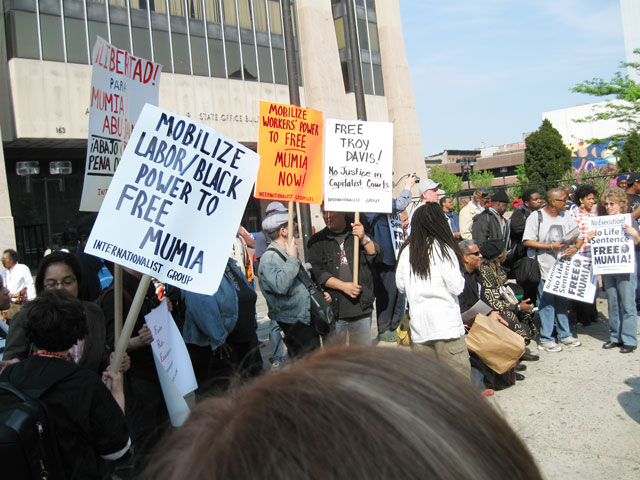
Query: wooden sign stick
x,y
356,253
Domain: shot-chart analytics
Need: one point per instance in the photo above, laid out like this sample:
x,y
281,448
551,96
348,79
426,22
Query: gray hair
x,y
466,245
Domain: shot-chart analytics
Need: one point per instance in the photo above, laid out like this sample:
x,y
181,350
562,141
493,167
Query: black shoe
x,y
627,349
519,377
529,357
609,345
521,367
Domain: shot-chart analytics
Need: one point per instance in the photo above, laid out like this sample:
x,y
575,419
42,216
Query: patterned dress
x,y
494,294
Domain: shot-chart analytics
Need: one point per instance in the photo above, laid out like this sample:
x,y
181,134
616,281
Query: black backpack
x,y
28,444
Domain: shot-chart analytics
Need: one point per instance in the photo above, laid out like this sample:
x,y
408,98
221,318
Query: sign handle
x,y
127,329
117,299
290,224
356,253
304,247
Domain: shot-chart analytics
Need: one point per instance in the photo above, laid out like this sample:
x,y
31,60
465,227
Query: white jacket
x,y
433,303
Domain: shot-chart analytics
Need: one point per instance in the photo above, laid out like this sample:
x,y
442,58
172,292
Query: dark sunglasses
x,y
474,253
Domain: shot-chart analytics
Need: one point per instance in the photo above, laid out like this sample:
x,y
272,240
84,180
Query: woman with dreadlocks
x,y
429,273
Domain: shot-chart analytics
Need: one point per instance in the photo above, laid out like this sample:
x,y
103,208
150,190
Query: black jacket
x,y
324,256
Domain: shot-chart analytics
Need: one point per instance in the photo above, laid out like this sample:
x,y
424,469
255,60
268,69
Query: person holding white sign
x,y
331,254
621,287
543,234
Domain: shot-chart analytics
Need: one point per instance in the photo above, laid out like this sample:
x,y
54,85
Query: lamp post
x,y
503,171
466,167
28,169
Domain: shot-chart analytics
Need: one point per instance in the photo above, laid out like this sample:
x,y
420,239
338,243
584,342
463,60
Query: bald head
x,y
556,199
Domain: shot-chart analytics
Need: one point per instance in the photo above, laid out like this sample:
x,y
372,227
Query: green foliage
x,y
546,157
481,178
451,183
629,159
515,191
626,108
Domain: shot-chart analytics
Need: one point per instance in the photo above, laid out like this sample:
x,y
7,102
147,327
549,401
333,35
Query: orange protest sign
x,y
290,148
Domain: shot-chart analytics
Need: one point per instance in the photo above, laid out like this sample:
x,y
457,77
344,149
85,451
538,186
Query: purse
x,y
498,346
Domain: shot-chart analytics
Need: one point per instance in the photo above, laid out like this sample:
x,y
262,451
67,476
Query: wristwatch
x,y
366,240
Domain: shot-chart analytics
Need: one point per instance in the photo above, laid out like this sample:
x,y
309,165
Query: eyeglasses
x,y
65,283
610,204
477,254
563,200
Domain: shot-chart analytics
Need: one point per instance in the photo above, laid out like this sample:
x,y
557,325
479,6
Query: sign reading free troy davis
x,y
175,203
358,166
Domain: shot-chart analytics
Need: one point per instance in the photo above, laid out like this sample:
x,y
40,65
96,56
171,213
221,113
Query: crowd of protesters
x,y
449,263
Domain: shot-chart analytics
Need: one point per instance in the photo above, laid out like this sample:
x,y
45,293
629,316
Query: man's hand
x,y
125,364
292,249
116,386
351,289
410,181
557,246
526,306
358,230
570,252
498,318
143,338
326,296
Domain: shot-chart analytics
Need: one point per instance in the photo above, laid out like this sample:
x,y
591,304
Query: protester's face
x,y
431,195
6,260
588,201
473,258
447,205
59,275
404,218
535,202
559,202
613,208
335,221
499,207
482,201
623,184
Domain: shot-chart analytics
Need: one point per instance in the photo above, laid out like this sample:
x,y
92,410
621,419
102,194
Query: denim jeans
x,y
623,319
553,311
390,303
277,345
637,274
359,331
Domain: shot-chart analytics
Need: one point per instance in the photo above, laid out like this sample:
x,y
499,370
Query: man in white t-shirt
x,y
543,234
17,277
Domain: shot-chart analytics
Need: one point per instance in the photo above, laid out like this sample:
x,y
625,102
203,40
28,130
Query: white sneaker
x,y
571,341
549,347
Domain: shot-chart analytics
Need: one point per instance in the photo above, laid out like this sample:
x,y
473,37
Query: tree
x,y
629,160
451,183
546,157
481,179
626,107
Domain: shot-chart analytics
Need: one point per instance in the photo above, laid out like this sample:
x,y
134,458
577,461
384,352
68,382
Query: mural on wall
x,y
590,157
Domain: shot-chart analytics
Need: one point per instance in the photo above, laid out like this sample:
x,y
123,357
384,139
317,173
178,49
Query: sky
x,y
483,71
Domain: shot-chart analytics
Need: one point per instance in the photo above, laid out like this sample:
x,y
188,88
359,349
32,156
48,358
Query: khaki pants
x,y
453,352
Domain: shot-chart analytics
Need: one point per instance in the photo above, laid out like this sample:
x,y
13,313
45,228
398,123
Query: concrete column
x,y
407,143
7,231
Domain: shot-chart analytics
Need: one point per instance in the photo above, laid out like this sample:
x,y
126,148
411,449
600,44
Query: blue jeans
x,y
623,317
359,331
277,345
637,279
553,311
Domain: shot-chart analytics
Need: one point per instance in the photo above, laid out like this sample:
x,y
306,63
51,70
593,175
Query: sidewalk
x,y
578,410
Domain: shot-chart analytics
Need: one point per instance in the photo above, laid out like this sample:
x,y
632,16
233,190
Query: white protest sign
x,y
612,250
572,277
358,166
176,201
170,349
397,232
121,84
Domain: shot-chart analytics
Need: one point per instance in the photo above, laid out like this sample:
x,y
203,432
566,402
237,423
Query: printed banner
x,y
572,277
290,148
397,232
358,166
169,348
176,201
121,84
612,250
